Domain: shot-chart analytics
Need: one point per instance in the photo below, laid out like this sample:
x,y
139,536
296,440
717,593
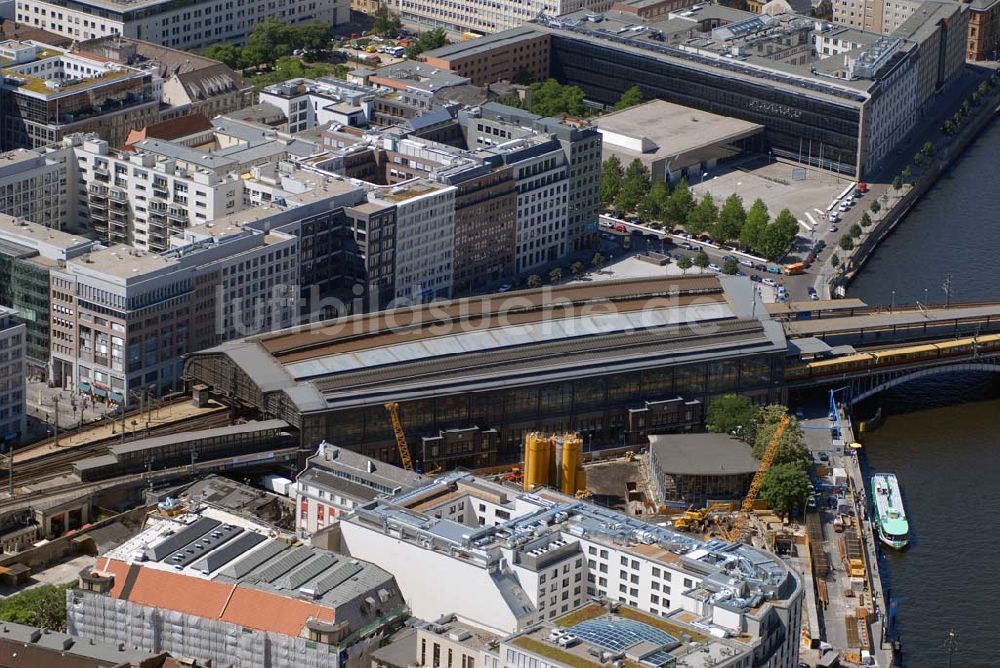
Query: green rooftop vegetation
x,y
37,84
589,611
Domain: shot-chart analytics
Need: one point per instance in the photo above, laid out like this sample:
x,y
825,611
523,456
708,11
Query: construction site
x,y
826,544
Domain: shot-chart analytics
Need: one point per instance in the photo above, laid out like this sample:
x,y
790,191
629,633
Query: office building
x,y
30,646
39,185
480,17
47,93
12,384
307,103
213,586
475,364
28,253
845,109
525,559
123,318
185,26
335,481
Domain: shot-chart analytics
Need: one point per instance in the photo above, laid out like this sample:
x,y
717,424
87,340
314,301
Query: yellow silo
x,y
581,479
572,449
536,461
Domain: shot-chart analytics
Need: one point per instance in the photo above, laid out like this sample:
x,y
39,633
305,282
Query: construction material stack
x,y
554,460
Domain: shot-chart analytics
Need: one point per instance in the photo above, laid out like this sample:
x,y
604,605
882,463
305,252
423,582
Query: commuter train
x,y
989,343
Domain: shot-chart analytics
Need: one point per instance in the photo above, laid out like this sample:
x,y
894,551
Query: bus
x,y
793,269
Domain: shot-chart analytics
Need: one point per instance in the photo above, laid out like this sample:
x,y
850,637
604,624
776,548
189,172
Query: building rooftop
x,y
591,328
642,639
22,645
25,239
210,563
49,72
414,75
546,526
358,476
702,454
665,129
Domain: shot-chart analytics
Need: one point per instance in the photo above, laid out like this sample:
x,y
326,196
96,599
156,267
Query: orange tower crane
x,y
740,525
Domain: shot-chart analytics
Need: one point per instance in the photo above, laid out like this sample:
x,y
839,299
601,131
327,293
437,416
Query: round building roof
x,y
702,454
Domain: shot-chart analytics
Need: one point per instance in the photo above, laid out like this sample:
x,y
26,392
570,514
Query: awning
x,y
98,392
116,397
84,387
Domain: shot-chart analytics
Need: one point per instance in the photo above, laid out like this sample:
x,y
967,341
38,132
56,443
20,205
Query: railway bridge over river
x,y
844,343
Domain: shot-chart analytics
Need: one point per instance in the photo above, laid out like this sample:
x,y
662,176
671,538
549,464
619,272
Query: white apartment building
x,y
12,385
520,559
308,103
484,16
425,228
142,199
38,185
181,25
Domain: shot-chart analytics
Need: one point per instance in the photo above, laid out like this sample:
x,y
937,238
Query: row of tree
x,y
269,41
786,484
556,274
631,190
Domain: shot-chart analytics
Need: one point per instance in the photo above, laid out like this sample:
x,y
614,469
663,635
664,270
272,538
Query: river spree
x,y
945,453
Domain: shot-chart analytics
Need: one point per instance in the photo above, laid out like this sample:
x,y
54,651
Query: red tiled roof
x,y
171,129
251,608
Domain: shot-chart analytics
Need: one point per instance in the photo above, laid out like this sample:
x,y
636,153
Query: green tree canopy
x,y
576,268
386,23
835,260
875,207
43,606
928,149
855,230
226,53
866,220
752,234
551,98
703,215
791,449
730,267
631,97
655,202
612,175
784,487
432,39
778,236
534,281
918,159
732,218
635,185
846,242
907,173
680,205
684,263
729,413
701,259
555,275
598,260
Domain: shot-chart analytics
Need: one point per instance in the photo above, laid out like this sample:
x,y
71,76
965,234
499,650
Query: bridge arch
x,y
992,367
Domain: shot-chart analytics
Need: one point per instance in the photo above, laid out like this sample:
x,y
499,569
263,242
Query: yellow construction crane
x,y
397,428
740,525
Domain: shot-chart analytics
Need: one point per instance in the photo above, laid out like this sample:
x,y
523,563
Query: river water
x,y
942,436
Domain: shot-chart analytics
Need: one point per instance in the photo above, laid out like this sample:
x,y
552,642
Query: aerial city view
x,y
499,333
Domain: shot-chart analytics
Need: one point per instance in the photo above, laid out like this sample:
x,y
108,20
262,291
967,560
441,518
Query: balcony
x,y
118,196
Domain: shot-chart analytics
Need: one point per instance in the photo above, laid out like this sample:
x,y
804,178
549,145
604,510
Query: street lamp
x,y
892,306
703,175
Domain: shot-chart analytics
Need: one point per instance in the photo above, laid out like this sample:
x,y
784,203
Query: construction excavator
x,y
739,528
694,520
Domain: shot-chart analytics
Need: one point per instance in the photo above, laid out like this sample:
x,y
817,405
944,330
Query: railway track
x,y
58,463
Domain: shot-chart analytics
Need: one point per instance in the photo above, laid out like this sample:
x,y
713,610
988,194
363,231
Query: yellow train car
x,y
843,364
907,354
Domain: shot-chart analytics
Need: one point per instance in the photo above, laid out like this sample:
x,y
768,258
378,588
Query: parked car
x,y
769,281
774,269
833,228
746,263
714,267
728,258
813,296
824,456
506,287
686,246
755,278
760,267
